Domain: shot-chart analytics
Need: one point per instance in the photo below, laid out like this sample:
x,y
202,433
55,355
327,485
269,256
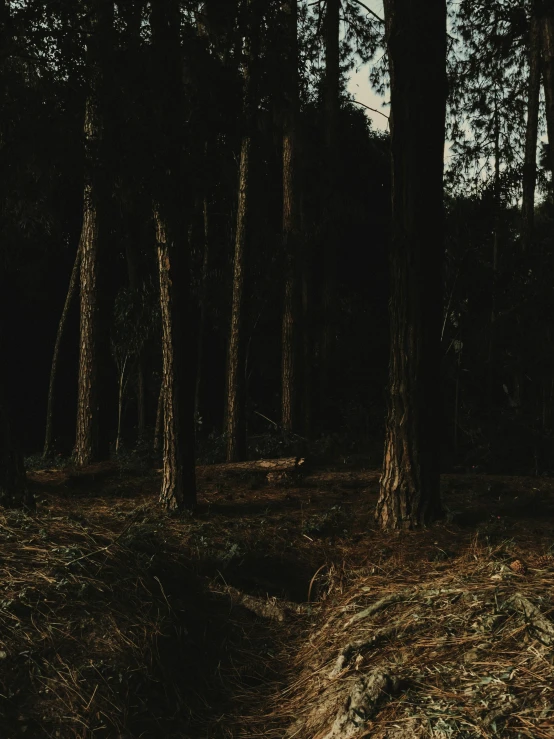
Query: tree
x,y
331,107
416,41
531,131
236,362
88,445
178,481
547,39
291,241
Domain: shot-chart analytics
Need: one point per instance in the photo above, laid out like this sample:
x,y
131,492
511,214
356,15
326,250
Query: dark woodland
x,y
276,382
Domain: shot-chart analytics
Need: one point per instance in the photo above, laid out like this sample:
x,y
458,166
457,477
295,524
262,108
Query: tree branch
x,y
372,109
371,12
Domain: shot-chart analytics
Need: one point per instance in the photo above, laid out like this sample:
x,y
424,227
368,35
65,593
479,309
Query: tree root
x,y
361,703
357,647
270,608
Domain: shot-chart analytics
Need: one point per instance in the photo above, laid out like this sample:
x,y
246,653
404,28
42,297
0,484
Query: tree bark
x,y
87,446
238,335
178,488
531,133
71,292
409,487
291,241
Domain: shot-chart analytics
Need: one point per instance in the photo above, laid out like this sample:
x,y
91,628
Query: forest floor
x,y
277,610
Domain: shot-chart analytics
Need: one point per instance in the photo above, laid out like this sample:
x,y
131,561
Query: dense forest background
x,y
276,387
236,76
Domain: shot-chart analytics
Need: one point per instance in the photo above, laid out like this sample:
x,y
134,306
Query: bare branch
x,y
371,12
372,109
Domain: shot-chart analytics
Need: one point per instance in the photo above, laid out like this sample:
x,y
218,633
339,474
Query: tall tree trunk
x,y
71,292
238,335
13,483
531,132
547,39
136,283
307,333
87,442
178,482
331,101
131,12
203,307
409,487
291,241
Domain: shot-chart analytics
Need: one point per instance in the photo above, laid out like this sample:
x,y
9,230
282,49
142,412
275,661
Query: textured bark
x,y
416,39
547,39
178,488
236,364
531,132
71,292
86,440
236,380
87,446
291,241
178,482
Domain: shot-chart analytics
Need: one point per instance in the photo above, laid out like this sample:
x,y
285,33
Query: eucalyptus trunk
x,y
416,40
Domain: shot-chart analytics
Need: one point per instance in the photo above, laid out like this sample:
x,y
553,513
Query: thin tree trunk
x,y
71,292
307,317
203,308
87,446
332,104
291,241
547,39
238,335
131,11
178,481
135,283
409,487
531,133
494,261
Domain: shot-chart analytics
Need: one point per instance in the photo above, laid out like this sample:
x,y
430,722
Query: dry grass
x,y
116,621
